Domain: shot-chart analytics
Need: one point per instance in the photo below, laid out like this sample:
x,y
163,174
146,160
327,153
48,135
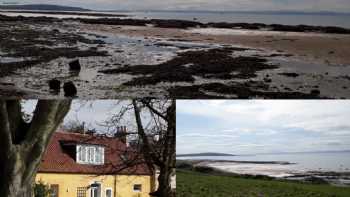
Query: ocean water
x,y
341,20
267,18
335,161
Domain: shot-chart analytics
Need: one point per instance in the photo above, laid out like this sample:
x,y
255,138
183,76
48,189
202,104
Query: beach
x,y
332,167
156,59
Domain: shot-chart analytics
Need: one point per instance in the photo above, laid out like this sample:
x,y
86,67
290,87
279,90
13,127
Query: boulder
x,y
69,89
74,65
315,92
55,85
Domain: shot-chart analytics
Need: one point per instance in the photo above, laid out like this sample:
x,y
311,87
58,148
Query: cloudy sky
x,y
93,113
302,5
248,127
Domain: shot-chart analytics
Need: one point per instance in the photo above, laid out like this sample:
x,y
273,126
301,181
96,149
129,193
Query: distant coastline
x,y
44,7
54,7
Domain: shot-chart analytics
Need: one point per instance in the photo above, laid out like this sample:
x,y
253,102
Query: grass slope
x,y
194,184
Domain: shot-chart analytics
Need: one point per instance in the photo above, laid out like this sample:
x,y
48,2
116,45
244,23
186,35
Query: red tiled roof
x,y
60,156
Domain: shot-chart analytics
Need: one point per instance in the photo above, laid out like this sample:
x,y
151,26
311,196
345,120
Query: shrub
x,y
203,169
41,190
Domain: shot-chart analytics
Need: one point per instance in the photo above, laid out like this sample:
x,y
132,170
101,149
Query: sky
x,y
252,127
252,5
93,113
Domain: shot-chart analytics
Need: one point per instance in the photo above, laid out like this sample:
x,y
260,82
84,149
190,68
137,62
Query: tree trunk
x,y
165,162
15,184
164,180
23,144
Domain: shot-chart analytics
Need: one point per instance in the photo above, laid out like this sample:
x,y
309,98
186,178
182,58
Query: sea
x,y
325,162
341,20
318,19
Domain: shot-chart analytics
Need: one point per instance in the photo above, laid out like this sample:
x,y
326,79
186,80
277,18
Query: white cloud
x,y
268,125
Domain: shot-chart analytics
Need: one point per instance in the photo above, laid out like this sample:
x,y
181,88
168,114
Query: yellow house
x,y
82,165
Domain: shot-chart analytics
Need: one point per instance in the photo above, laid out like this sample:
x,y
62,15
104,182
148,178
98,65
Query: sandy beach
x,y
314,47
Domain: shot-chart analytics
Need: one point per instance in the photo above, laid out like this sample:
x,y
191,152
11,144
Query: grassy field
x,y
194,184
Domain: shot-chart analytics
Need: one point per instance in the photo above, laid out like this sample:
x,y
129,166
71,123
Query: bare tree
x,y
154,136
160,152
23,142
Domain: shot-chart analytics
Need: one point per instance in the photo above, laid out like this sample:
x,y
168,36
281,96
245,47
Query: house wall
x,y
122,185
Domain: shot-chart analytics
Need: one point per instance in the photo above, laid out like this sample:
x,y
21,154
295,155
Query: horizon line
x,y
319,151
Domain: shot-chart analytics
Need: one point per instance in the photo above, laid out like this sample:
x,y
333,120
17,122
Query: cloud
x,y
310,5
264,126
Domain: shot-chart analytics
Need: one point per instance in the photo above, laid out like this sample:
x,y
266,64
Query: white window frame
x,y
108,188
137,191
83,156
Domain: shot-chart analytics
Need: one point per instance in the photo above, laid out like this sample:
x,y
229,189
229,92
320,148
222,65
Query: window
x,y
54,190
108,192
137,188
83,153
98,154
90,154
81,191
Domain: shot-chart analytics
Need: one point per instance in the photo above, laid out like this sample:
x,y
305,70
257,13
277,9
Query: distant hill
x,y
46,7
204,154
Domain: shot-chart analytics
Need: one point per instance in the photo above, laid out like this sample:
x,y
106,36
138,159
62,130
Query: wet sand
x,y
313,47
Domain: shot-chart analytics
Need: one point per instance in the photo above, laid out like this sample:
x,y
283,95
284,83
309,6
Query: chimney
x,y
83,127
121,133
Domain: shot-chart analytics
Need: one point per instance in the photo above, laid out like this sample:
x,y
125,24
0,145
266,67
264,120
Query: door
x,y
95,190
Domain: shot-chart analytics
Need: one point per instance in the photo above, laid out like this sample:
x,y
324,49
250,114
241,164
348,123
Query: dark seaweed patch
x,y
213,63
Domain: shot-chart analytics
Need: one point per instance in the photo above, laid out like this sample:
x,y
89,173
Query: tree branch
x,y
17,124
5,130
48,115
150,107
147,149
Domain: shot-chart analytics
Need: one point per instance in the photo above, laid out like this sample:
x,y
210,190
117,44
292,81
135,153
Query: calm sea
x,y
287,19
338,161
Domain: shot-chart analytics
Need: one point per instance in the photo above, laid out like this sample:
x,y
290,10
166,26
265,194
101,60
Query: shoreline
x,y
270,170
183,24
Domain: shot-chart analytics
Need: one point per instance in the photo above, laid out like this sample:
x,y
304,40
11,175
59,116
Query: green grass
x,y
194,184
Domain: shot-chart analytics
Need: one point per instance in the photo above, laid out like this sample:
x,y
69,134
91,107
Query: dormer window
x,y
90,154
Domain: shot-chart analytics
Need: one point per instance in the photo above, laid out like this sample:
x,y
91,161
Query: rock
x,y
315,180
267,80
69,89
74,65
55,84
315,92
290,74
